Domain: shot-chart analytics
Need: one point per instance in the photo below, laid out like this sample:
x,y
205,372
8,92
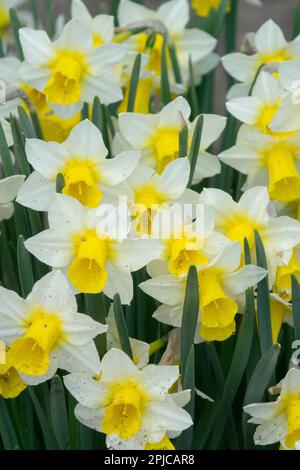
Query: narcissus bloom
x,y
269,46
132,407
54,128
281,312
70,71
279,421
288,115
204,7
5,6
238,220
11,384
9,188
102,26
45,332
267,160
186,241
259,109
152,191
221,284
283,277
157,136
174,17
96,257
89,176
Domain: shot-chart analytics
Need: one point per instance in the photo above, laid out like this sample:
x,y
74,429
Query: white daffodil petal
x,y
47,158
174,179
9,188
54,293
116,365
67,213
86,140
140,252
36,192
117,169
81,329
137,128
239,281
75,358
165,288
36,46
52,247
87,391
119,281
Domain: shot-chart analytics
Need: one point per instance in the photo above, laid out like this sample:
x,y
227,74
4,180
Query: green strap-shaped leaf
x,y
25,268
19,146
193,91
60,183
33,8
263,299
96,307
257,386
219,19
6,160
121,326
46,425
190,317
99,118
188,383
36,124
195,147
165,83
15,26
7,430
183,140
50,18
236,371
59,413
85,112
296,306
27,126
175,63
134,82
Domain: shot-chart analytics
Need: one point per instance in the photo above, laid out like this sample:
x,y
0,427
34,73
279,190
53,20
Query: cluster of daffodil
x,y
121,212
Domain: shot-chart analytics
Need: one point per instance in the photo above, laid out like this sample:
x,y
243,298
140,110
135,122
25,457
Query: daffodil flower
x,y
204,7
186,241
157,136
11,383
140,349
269,47
259,109
283,277
132,407
44,331
174,16
267,160
281,312
70,71
288,115
102,26
89,176
279,421
54,128
238,220
221,284
5,6
9,188
152,191
95,258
